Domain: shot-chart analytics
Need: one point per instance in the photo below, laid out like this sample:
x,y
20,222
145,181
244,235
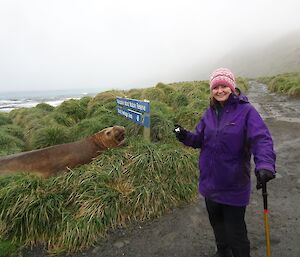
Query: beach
x,y
28,99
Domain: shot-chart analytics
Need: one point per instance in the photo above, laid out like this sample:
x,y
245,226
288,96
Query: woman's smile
x,y
221,93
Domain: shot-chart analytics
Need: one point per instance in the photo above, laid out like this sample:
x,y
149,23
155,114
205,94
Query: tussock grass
x,y
182,103
188,118
108,96
134,94
8,248
152,93
167,89
242,84
99,110
4,119
104,102
29,118
10,144
73,109
29,207
161,128
138,182
70,212
62,119
52,135
294,91
287,83
13,130
45,107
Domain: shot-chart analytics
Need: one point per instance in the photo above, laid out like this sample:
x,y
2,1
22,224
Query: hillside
x,y
255,60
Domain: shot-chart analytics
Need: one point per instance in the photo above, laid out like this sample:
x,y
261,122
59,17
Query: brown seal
x,y
49,161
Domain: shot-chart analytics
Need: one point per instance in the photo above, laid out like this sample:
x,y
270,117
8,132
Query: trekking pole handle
x,y
265,195
266,219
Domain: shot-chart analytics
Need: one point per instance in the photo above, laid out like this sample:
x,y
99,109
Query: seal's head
x,y
111,137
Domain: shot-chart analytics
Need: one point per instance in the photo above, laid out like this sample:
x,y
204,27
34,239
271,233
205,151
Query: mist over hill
x,y
254,59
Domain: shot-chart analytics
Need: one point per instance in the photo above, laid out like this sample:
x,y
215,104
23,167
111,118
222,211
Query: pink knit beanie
x,y
222,76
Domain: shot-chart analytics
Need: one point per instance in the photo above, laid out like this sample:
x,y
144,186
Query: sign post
x,y
137,111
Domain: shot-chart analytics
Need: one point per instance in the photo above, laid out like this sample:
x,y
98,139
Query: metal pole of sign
x,y
146,121
147,134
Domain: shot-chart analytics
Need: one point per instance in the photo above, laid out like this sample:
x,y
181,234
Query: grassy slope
x,y
287,83
134,183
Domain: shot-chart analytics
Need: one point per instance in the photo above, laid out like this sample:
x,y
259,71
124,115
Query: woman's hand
x,y
263,176
179,132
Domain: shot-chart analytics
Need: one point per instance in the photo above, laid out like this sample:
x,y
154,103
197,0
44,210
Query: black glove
x,y
179,132
263,176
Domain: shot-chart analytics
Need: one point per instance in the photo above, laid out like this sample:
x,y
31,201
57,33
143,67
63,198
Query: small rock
x,y
119,244
275,240
126,242
254,202
96,249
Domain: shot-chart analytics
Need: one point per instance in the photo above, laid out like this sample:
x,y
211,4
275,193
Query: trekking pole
x,y
265,198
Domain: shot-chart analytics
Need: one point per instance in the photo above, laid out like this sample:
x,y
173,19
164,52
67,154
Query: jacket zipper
x,y
212,165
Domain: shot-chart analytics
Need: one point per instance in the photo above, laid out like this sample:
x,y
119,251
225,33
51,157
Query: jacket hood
x,y
243,98
233,99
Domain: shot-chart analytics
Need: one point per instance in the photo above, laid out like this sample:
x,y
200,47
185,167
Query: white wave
x,y
7,105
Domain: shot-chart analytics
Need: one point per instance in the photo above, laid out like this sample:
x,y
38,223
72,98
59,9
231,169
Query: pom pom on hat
x,y
222,76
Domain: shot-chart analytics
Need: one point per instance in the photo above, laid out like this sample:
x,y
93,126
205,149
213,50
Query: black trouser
x,y
228,223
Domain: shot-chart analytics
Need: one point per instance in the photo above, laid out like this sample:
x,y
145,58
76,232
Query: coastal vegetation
x,y
135,183
287,83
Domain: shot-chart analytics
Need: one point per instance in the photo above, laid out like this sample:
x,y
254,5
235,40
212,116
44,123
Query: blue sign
x,y
137,105
137,117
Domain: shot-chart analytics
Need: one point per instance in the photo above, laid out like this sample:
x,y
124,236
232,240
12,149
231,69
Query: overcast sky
x,y
115,44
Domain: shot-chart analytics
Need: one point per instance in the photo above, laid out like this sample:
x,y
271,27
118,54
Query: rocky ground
x,y
186,231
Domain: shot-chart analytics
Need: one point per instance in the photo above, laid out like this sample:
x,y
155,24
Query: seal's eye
x,y
108,133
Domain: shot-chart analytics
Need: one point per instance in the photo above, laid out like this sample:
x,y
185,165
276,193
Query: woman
x,y
228,133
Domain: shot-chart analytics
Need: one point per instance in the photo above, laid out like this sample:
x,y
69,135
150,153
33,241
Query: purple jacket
x,y
226,146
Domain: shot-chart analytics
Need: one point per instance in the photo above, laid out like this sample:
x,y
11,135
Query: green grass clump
x,y
28,118
134,93
10,144
242,84
62,119
4,119
52,135
13,130
73,109
287,83
8,248
45,107
104,99
154,93
294,91
29,206
70,212
188,118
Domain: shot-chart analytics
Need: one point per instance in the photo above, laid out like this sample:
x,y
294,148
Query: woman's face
x,y
221,93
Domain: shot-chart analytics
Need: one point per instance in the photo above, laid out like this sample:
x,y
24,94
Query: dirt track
x,y
185,232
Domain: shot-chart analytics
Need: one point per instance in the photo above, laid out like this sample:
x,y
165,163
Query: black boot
x,y
241,252
223,253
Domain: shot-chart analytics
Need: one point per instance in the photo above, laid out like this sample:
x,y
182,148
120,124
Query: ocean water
x,y
27,99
